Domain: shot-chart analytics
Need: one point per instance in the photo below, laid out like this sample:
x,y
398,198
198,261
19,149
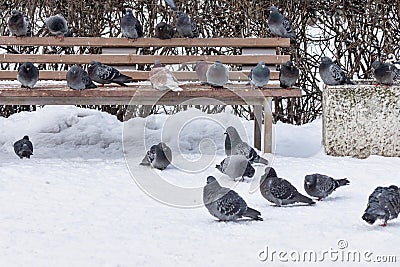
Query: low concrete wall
x,y
361,120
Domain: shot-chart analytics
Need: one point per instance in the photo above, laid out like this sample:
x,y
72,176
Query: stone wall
x,y
361,120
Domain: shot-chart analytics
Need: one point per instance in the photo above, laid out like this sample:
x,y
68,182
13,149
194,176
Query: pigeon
x,y
225,204
171,4
23,148
78,79
159,156
28,75
185,26
383,204
279,25
288,75
57,26
280,191
130,26
164,31
384,73
162,78
259,75
217,75
201,69
19,25
236,166
103,74
331,73
321,186
235,146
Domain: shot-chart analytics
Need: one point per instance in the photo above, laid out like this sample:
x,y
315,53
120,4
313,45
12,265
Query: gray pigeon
x,y
259,75
164,30
384,73
201,69
288,75
57,25
383,204
130,26
162,78
332,74
236,166
18,24
225,204
28,75
217,75
280,191
171,4
235,146
159,156
321,186
185,26
78,79
105,74
23,148
279,25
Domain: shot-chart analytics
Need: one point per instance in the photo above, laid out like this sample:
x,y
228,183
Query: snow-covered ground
x,y
83,200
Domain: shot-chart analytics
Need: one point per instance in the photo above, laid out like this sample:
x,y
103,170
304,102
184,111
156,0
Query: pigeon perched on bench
x,y
28,75
23,148
321,186
201,69
105,74
162,78
383,204
225,204
259,75
279,25
19,24
164,31
217,75
185,26
384,73
159,156
280,191
235,146
332,74
288,75
236,166
130,26
57,25
78,79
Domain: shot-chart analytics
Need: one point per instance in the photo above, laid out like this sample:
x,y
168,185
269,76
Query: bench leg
x,y
257,110
268,125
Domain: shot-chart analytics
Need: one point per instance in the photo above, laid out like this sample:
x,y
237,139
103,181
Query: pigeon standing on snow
x,y
383,204
235,146
23,148
78,79
28,75
201,69
185,26
159,156
332,74
280,191
217,75
279,25
164,31
130,26
162,78
226,204
105,74
384,73
18,24
57,25
321,186
236,166
259,75
288,75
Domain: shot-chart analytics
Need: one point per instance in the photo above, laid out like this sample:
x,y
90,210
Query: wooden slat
x,y
135,74
141,59
146,42
234,94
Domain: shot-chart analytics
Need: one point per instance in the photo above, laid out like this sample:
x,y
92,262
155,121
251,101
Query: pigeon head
x,y
161,26
273,9
290,65
15,13
261,64
26,137
310,180
249,172
233,134
211,179
128,11
157,64
182,17
218,166
74,69
270,172
326,60
27,66
369,218
376,64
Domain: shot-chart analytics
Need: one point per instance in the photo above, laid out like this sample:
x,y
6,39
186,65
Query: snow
x,y
83,200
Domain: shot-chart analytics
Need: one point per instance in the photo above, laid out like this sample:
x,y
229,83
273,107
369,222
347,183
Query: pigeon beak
x,y
225,133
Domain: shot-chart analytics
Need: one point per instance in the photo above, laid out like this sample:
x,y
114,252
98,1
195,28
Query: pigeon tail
x,y
145,161
122,79
304,199
261,160
91,85
341,182
253,214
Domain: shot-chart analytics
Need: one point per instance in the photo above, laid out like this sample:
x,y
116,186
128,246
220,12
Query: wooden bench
x,y
141,93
